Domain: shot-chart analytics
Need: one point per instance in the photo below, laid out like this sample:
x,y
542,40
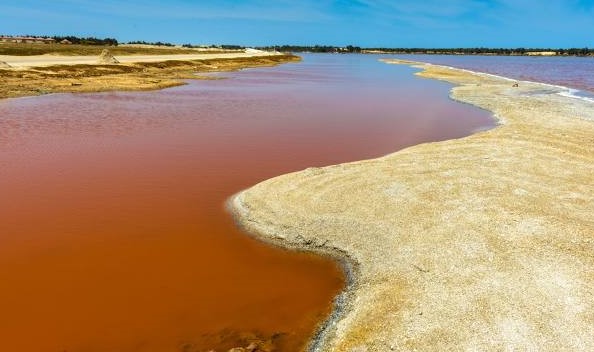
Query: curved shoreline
x,y
348,265
563,90
155,72
302,211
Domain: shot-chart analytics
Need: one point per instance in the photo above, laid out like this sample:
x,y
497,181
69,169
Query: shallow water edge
x,y
283,235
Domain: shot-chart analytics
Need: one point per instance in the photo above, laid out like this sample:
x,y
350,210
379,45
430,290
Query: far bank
x,y
148,73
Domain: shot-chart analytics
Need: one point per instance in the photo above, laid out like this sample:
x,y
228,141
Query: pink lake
x,y
113,229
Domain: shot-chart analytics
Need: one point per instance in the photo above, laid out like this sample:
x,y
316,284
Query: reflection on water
x,y
113,233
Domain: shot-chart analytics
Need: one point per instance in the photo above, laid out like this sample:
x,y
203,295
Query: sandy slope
x,y
481,243
51,60
95,77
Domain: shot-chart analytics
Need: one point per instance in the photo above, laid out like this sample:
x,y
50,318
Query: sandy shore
x,y
44,74
480,243
52,60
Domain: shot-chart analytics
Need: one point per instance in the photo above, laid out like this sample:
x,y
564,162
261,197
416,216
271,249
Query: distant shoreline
x,y
528,53
387,52
349,49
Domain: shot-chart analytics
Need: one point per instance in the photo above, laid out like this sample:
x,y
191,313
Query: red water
x,y
113,232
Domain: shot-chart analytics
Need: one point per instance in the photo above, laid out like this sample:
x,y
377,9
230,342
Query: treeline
x,y
486,51
443,51
576,51
347,49
71,38
151,43
87,40
213,46
313,49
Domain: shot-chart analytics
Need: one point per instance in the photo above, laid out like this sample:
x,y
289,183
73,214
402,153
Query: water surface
x,y
568,71
113,230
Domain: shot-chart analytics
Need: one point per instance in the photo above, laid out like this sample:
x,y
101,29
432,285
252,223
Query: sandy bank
x,y
43,74
52,60
480,243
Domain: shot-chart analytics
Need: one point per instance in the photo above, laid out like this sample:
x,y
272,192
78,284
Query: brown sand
x,y
480,243
59,74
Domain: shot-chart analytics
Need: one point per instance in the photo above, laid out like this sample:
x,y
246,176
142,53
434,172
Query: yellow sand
x,y
52,60
90,76
484,243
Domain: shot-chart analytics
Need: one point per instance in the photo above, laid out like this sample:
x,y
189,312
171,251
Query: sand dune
x,y
480,243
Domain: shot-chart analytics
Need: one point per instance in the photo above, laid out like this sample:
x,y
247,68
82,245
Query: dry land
x,y
27,49
484,243
26,75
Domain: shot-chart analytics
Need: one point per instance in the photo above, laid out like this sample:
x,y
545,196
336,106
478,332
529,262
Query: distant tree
x,y
449,51
353,49
142,42
87,40
231,47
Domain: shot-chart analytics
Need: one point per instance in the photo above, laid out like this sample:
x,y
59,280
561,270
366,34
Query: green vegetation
x,y
223,47
231,47
313,49
72,39
86,41
451,51
84,46
486,51
142,42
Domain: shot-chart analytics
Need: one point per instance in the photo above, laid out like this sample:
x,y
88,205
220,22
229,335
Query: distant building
x,y
65,41
38,40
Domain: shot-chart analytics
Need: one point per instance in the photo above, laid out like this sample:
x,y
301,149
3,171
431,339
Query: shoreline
x,y
562,90
350,267
45,60
153,73
285,211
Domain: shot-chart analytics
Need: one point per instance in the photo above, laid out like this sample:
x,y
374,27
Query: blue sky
x,y
368,23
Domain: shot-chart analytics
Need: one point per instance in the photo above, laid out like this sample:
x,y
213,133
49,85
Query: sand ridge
x,y
52,60
479,243
45,74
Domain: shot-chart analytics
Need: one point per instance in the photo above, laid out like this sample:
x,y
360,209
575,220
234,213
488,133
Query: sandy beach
x,y
44,74
480,243
52,60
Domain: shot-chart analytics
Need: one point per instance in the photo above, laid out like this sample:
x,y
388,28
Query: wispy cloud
x,y
397,22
